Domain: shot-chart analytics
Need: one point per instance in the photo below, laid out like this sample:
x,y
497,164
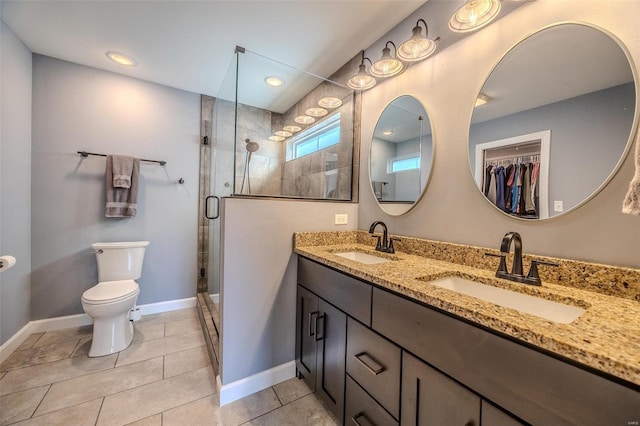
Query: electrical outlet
x,y
341,219
558,206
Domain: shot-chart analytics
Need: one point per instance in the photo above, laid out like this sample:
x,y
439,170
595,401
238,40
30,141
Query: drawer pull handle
x,y
318,336
371,364
312,323
361,419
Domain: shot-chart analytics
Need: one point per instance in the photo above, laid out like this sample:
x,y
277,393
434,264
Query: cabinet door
x,y
431,398
306,323
492,416
331,335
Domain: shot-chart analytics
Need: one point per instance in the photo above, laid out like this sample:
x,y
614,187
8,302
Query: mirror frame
x,y
632,131
433,156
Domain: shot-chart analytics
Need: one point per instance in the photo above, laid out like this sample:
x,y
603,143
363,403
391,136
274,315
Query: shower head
x,y
252,146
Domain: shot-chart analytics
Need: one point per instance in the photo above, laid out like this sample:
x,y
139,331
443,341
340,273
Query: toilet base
x,y
111,335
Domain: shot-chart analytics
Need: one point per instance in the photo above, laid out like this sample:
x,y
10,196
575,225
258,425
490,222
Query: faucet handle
x,y
391,240
502,268
533,276
379,243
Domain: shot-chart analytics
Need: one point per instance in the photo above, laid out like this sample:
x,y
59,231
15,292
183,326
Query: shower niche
x,y
287,132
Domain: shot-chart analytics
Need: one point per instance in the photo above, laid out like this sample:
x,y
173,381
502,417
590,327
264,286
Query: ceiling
x,y
558,63
190,45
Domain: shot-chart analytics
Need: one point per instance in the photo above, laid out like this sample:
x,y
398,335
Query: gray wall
x,y
258,290
80,108
588,135
15,181
452,208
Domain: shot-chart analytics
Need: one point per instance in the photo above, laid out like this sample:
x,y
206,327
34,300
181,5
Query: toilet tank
x,y
119,261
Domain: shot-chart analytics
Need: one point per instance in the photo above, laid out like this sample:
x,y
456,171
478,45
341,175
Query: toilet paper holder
x,y
7,262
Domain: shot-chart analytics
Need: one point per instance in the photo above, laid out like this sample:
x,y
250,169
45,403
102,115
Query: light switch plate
x,y
341,219
558,206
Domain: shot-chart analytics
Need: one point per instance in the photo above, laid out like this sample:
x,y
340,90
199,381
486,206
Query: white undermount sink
x,y
543,308
358,256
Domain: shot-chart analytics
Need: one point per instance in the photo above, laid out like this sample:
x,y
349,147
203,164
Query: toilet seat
x,y
110,292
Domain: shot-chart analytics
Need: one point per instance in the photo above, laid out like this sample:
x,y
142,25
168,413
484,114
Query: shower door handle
x,y
206,207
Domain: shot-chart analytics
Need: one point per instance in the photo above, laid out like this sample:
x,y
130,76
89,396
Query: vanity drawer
x,y
536,387
374,363
348,294
361,409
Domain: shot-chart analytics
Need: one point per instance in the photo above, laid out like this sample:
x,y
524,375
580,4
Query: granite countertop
x,y
606,337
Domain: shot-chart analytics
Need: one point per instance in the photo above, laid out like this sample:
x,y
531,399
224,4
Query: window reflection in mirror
x,y
293,140
401,155
557,122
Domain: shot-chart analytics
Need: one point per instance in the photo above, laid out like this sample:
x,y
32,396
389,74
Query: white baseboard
x,y
169,305
215,297
78,320
257,382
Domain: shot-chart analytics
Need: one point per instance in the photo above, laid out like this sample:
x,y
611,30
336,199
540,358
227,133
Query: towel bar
x,y
85,154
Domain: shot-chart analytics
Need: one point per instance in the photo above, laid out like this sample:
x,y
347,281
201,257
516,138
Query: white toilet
x,y
108,303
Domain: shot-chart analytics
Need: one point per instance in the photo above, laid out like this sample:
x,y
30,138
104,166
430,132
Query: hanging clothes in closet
x,y
514,188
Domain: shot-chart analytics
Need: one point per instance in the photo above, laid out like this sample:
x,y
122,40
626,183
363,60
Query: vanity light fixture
x,y
304,119
292,129
277,138
481,100
122,59
330,102
419,46
283,133
387,65
362,80
474,14
316,112
274,81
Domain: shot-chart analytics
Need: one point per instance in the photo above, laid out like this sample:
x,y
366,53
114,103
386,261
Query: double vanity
x,y
420,336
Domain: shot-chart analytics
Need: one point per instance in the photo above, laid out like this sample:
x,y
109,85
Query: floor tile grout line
x,y
103,396
182,405
63,380
39,403
99,411
277,397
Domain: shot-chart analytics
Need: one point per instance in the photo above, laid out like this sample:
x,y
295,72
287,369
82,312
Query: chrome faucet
x,y
384,244
516,273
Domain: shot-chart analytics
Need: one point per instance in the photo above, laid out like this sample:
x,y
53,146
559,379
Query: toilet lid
x,y
110,291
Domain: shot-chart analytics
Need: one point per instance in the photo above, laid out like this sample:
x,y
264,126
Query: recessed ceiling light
x,y
304,119
121,58
283,133
274,81
482,99
277,138
316,112
387,132
292,129
330,102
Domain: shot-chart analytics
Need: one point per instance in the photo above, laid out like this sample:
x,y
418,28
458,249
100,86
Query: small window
x,y
320,136
404,163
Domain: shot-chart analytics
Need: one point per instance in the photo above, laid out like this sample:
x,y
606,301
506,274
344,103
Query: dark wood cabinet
x,y
306,323
331,335
362,410
374,363
405,361
493,416
429,398
321,331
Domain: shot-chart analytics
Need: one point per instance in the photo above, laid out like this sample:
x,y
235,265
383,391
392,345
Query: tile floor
x,y
163,378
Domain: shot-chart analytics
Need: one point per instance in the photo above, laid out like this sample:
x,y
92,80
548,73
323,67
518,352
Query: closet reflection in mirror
x,y
556,125
401,155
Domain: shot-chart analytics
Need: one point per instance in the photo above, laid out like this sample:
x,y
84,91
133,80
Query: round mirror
x,y
401,155
552,123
